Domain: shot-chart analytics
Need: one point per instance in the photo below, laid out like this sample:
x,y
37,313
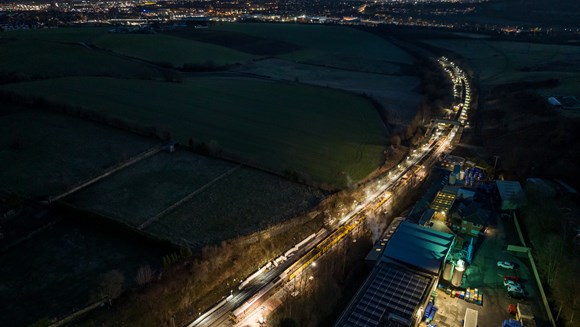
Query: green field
x,y
146,188
56,272
243,202
500,62
96,52
221,194
24,55
335,46
43,153
328,136
394,92
166,48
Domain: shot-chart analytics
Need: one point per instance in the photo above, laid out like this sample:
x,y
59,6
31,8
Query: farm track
x,y
110,171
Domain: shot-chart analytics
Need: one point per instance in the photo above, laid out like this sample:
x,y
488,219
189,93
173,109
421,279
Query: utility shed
x,y
511,194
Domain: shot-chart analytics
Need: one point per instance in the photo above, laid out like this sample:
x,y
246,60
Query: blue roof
x,y
419,247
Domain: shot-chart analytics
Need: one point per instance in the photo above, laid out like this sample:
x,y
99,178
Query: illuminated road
x,y
242,303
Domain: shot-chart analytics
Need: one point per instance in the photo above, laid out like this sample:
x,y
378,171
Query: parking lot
x,y
485,275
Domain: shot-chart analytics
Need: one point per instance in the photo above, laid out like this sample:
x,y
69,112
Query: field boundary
x,y
186,198
77,314
536,273
112,170
28,236
113,224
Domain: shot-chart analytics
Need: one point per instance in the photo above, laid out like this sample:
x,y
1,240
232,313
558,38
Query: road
x,y
242,303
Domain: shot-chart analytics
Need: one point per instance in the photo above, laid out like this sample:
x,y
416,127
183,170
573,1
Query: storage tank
x,y
458,274
456,169
447,271
452,179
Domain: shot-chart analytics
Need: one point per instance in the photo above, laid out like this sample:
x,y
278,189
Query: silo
x,y
458,273
452,179
447,271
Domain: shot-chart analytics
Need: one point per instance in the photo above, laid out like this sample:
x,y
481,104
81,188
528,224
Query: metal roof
x,y
419,247
443,201
400,280
511,193
389,297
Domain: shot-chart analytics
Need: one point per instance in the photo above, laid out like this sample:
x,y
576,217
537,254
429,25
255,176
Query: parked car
x,y
511,283
515,289
516,294
505,264
512,309
514,278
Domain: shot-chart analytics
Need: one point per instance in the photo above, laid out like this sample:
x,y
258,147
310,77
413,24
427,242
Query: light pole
x,y
495,164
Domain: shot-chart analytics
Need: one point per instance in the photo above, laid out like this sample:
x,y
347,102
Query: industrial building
x,y
444,200
511,194
402,279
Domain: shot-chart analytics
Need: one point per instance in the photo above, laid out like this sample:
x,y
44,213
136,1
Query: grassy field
x,y
335,46
330,136
166,48
143,190
395,93
56,272
500,62
43,153
96,52
243,202
52,58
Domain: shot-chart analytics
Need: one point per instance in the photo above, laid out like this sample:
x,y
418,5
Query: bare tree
x,y
144,275
111,285
395,140
551,253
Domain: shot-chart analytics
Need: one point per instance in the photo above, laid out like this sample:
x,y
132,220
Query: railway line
x,y
236,307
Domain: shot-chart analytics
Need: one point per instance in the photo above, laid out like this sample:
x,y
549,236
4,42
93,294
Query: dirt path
x,y
110,171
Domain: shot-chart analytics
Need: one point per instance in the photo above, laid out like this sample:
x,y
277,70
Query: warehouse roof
x,y
511,194
443,201
419,247
389,297
400,280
